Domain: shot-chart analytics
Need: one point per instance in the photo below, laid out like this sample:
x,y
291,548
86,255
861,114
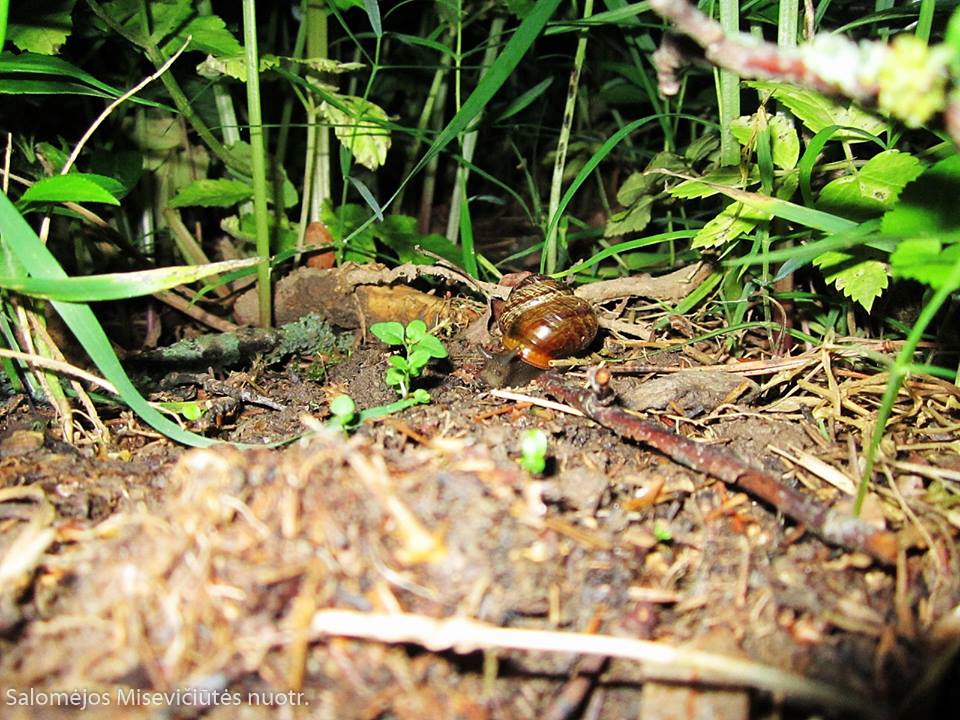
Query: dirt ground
x,y
313,580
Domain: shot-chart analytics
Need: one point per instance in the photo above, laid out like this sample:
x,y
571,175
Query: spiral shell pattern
x,y
543,320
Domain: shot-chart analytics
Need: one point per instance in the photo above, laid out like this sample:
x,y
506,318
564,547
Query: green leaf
x,y
421,396
395,377
72,187
816,111
399,362
118,286
399,233
432,346
533,451
648,181
345,221
523,101
212,193
189,409
361,127
124,166
706,186
243,157
786,142
208,34
343,406
416,331
389,332
735,220
40,26
928,205
860,278
69,79
630,221
20,238
924,260
783,136
873,188
417,360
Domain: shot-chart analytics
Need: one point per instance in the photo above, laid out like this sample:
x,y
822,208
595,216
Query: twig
x,y
463,635
116,103
833,527
60,367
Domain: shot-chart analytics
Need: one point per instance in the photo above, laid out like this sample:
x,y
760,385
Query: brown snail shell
x,y
543,320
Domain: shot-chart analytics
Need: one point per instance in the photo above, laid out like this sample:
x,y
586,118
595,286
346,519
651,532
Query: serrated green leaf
x,y
643,183
701,187
212,193
702,147
41,26
633,187
72,187
389,332
209,34
862,279
873,188
817,111
166,17
928,205
361,127
735,220
633,220
924,260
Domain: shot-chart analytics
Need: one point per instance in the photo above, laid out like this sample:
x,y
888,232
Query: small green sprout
x,y
661,531
533,451
343,413
419,347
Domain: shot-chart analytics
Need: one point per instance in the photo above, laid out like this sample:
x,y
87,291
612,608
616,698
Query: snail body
x,y
543,320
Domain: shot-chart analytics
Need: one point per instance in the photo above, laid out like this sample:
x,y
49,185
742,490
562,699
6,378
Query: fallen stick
x,y
834,527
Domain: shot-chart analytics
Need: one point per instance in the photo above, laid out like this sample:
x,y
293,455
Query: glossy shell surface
x,y
543,320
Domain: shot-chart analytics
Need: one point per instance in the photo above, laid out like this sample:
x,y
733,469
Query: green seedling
x,y
533,451
419,347
661,531
343,413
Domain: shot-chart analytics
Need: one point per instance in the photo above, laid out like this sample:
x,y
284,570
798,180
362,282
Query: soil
x,y
210,575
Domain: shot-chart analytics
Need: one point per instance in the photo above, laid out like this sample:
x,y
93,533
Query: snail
x,y
541,320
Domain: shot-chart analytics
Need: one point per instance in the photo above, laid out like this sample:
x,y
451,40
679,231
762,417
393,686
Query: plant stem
x,y
898,372
788,23
468,147
318,47
258,160
925,20
550,258
4,11
729,88
173,89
